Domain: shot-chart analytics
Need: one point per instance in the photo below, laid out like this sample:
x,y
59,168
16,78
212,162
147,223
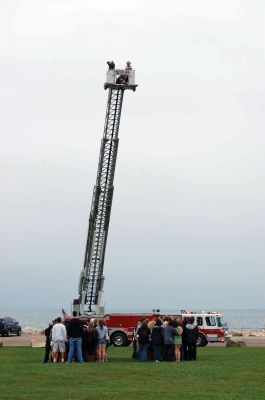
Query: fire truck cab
x,y
211,326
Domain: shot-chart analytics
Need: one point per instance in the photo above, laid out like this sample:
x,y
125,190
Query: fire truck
x,y
88,304
121,326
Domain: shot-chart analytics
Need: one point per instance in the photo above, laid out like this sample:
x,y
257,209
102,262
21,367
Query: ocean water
x,y
236,319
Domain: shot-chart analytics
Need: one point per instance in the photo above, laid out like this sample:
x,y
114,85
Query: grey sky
x,y
187,224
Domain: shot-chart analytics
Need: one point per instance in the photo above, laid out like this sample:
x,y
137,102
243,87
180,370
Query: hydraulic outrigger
x,y
92,278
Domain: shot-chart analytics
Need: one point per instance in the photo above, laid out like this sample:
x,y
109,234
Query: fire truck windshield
x,y
220,321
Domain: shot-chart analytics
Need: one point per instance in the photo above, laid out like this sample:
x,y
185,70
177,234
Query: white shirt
x,y
59,333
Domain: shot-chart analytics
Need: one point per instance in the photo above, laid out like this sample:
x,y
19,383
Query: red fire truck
x,y
121,325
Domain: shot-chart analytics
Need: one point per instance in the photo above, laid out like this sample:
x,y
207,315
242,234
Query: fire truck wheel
x,y
201,341
119,339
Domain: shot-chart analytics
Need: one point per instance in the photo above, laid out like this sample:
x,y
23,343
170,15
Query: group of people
x,y
74,340
166,340
123,78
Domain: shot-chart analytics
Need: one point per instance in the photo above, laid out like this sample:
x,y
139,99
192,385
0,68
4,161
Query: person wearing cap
x,y
111,64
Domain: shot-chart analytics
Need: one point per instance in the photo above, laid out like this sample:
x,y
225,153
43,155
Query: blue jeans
x,y
143,352
75,342
157,351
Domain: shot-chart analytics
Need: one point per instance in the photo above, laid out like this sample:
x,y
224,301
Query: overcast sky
x,y
187,224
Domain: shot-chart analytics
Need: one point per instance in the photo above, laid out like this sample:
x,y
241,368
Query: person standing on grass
x,y
143,337
178,338
75,331
184,347
157,339
151,324
192,337
102,334
92,341
135,341
85,342
169,347
59,337
47,333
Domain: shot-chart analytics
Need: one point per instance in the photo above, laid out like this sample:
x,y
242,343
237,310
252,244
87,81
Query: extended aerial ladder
x,y
92,278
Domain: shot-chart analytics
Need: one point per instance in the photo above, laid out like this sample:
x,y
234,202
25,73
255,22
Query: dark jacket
x,y
92,337
157,337
143,335
75,328
191,334
47,334
169,333
184,333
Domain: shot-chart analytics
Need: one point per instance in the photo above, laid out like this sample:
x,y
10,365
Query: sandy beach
x,y
25,339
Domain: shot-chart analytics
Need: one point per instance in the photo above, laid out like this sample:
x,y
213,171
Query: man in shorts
x,y
59,337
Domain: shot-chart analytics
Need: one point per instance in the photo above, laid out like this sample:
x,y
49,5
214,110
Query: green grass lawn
x,y
219,373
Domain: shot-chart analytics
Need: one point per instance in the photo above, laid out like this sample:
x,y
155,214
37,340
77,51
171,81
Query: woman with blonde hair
x,y
151,325
92,340
178,338
102,333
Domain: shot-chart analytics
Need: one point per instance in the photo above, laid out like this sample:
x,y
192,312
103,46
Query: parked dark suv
x,y
8,326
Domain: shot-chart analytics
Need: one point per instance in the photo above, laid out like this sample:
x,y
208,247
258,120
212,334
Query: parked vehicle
x,y
9,326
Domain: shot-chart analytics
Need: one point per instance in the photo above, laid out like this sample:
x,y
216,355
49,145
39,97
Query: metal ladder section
x,y
92,279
